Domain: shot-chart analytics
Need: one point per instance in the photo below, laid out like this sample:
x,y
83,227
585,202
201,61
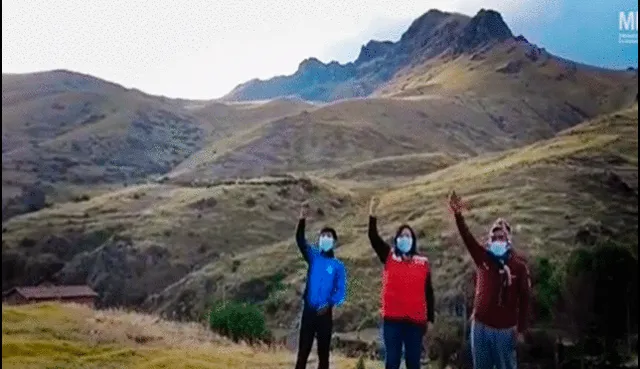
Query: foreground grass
x,y
72,336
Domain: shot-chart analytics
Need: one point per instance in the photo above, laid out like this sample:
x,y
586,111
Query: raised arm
x,y
478,253
301,239
431,302
340,288
381,248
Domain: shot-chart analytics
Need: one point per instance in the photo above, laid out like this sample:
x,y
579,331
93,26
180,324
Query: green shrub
x,y
239,321
547,286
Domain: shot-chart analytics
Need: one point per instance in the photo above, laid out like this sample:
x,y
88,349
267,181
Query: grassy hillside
x,y
156,234
67,134
350,132
559,194
227,119
75,133
71,336
180,245
497,97
387,171
517,69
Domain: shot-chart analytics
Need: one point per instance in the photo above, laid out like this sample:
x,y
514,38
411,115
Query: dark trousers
x,y
399,334
315,326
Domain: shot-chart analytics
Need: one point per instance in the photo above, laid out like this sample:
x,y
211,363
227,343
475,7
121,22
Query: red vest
x,y
403,289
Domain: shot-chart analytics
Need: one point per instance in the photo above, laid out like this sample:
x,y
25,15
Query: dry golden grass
x,y
461,106
549,191
547,77
73,336
83,136
347,133
256,213
66,130
385,171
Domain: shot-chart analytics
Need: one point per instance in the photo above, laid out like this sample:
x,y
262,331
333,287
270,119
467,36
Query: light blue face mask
x,y
498,248
403,244
325,243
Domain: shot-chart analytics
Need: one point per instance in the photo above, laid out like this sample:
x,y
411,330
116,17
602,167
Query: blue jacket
x,y
326,276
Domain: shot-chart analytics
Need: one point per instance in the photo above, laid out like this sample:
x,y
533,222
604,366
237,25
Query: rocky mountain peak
x,y
311,64
424,24
485,27
374,49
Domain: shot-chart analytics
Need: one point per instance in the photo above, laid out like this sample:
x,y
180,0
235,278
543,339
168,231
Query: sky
x,y
201,49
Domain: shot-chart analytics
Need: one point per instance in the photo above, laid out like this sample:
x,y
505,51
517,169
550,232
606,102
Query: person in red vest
x,y
502,294
407,294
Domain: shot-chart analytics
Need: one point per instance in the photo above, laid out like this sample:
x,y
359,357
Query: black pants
x,y
311,326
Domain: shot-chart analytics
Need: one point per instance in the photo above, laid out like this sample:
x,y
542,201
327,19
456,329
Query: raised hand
x,y
455,203
304,210
373,206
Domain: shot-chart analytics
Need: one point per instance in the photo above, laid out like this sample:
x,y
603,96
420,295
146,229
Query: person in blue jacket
x,y
325,289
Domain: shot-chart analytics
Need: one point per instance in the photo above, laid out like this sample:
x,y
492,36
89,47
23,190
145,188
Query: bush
x,y
547,286
239,321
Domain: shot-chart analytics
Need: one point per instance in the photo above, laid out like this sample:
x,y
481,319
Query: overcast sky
x,y
204,48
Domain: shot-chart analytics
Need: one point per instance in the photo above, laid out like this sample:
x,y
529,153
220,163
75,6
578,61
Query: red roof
x,y
53,292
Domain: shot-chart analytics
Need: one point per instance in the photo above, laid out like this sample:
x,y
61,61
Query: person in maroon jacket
x,y
503,287
407,294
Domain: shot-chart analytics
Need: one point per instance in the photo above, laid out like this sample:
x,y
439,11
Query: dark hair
x,y
501,223
330,230
499,228
414,243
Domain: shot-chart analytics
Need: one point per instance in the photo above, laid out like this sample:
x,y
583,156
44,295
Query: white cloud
x,y
202,48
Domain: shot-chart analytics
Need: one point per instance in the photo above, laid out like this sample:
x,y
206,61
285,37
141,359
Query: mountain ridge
x,y
434,35
427,36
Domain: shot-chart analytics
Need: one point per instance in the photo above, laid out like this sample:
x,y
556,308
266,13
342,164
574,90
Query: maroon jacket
x,y
496,305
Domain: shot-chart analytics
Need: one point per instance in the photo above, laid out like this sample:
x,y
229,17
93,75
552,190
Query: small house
x,y
80,294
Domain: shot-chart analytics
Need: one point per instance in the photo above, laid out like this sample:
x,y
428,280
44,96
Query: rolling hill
x,y
183,245
71,134
575,189
167,204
